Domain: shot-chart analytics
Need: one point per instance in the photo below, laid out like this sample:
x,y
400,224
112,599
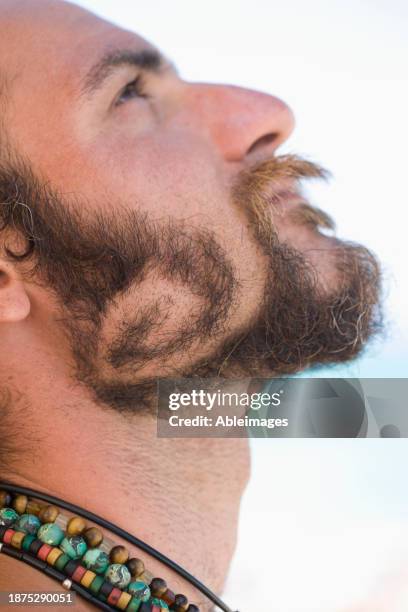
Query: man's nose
x,y
240,121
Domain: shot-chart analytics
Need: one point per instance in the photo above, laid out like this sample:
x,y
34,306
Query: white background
x,y
324,523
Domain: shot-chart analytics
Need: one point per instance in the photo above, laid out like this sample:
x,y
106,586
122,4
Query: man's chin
x,y
314,313
322,252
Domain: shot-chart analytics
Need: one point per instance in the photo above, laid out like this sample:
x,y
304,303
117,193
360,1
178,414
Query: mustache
x,y
281,168
260,188
305,214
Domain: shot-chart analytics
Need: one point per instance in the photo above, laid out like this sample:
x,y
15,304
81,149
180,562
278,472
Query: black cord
x,y
53,573
122,534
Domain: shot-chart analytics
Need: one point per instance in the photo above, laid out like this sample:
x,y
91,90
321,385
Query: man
x,y
149,229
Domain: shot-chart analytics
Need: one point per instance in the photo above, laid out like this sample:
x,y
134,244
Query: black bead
x,y
145,607
3,530
5,499
106,589
193,608
35,546
180,603
70,568
158,587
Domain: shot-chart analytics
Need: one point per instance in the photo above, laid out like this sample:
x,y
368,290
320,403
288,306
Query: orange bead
x,y
93,537
136,567
76,526
124,600
20,503
48,514
54,555
119,554
17,539
33,507
88,578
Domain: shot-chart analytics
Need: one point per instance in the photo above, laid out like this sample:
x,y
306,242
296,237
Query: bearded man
x,y
149,229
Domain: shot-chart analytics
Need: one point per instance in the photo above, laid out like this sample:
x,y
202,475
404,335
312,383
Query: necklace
x,y
82,559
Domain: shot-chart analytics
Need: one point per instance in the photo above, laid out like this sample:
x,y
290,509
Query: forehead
x,y
48,42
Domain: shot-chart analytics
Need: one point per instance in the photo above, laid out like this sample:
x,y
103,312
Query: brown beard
x,y
300,324
91,262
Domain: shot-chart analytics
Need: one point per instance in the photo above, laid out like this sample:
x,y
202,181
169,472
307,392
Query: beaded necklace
x,y
83,559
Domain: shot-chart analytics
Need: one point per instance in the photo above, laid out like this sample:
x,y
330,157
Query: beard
x,y
92,263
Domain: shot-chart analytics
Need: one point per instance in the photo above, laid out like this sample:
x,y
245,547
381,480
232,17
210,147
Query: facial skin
x,y
166,239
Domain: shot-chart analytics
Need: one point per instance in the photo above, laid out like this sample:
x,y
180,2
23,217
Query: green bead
x,y
133,605
51,534
96,584
118,575
61,562
96,560
140,590
8,517
160,603
28,540
28,523
74,546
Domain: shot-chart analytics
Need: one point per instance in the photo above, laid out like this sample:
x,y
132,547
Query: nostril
x,y
263,141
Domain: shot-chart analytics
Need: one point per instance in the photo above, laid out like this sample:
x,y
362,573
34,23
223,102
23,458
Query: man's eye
x,y
134,89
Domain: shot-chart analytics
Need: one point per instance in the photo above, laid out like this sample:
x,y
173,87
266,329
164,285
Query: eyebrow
x,y
147,59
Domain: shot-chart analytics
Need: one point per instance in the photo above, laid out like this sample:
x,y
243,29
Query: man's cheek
x,y
167,176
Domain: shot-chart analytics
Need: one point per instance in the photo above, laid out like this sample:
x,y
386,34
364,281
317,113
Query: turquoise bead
x,y
96,560
8,517
51,534
118,575
28,523
160,603
74,546
140,590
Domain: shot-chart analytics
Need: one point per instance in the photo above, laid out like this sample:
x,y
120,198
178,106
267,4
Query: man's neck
x,y
179,495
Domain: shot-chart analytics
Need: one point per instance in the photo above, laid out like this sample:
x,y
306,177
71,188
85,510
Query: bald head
x,y
46,49
36,9
30,33
25,24
38,34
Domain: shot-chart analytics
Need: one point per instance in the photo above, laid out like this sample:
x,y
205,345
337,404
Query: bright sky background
x,y
323,521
